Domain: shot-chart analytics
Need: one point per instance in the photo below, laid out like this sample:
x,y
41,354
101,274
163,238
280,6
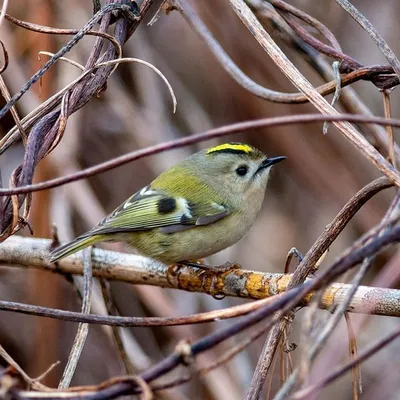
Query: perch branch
x,y
370,244
27,252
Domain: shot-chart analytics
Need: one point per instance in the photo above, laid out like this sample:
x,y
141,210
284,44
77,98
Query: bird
x,y
196,208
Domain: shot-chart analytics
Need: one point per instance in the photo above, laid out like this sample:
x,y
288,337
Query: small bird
x,y
194,209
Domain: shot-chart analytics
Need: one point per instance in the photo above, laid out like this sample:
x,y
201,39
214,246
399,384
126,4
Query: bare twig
x,y
389,129
212,133
83,328
369,28
338,91
329,327
293,74
267,94
81,33
307,265
56,31
3,11
323,30
349,98
106,292
353,352
265,361
31,382
332,51
45,107
340,371
6,94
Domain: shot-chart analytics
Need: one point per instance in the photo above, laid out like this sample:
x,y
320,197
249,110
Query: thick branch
x,y
27,252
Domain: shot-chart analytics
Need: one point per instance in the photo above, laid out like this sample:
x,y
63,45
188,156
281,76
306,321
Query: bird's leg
x,y
227,266
194,263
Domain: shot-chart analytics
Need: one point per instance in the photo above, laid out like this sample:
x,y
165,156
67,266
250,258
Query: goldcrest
x,y
196,208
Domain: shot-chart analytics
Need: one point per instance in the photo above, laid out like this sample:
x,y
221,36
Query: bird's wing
x,y
149,209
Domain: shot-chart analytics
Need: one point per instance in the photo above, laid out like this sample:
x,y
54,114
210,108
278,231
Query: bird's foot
x,y
226,267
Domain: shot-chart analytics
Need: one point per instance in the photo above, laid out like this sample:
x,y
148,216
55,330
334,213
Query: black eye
x,y
242,170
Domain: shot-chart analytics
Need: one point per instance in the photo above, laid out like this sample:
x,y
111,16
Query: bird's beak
x,y
269,161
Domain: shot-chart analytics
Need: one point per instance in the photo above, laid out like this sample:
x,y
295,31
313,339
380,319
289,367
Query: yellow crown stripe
x,y
231,146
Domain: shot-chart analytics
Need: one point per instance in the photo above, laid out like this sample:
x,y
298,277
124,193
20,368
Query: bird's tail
x,y
72,247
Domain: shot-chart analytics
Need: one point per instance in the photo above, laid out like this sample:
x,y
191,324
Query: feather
x,y
151,208
78,244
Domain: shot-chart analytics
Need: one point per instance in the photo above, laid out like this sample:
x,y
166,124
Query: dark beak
x,y
270,161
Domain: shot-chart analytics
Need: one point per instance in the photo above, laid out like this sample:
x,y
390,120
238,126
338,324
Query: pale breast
x,y
200,241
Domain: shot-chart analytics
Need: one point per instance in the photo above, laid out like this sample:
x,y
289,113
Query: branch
x,y
370,244
340,371
27,252
351,102
65,49
372,32
83,329
239,127
299,81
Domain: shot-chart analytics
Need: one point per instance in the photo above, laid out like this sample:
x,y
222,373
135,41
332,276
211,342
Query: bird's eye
x,y
242,170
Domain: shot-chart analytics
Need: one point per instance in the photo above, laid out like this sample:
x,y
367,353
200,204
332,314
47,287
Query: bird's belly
x,y
190,244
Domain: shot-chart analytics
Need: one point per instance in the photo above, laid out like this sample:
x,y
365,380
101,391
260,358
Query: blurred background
x,y
305,192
